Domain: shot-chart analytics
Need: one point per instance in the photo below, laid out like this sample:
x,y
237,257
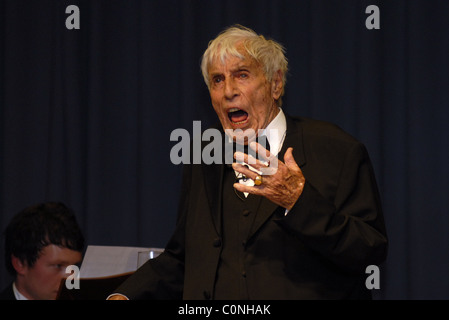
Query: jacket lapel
x,y
294,138
213,179
213,175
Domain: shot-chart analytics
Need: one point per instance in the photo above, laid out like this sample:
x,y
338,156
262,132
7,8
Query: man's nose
x,y
230,89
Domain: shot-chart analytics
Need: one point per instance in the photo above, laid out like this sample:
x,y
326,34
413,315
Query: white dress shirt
x,y
17,294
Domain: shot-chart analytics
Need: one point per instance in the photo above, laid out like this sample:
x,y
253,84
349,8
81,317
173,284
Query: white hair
x,y
268,53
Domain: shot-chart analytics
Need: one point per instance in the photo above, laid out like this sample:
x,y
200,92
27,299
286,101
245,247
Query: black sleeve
x,y
349,230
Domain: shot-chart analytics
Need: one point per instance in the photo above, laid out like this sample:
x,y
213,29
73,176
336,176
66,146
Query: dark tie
x,y
262,140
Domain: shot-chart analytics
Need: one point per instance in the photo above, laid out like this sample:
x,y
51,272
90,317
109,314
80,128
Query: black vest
x,y
238,214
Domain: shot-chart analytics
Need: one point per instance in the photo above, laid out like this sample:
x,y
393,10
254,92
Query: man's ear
x,y
19,265
276,85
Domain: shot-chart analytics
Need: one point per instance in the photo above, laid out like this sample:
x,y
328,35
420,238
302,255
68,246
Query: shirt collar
x,y
275,132
17,294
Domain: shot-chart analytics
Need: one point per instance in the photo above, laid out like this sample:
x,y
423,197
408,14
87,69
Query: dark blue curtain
x,y
86,115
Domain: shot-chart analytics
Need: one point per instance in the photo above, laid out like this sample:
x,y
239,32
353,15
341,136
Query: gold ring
x,y
258,180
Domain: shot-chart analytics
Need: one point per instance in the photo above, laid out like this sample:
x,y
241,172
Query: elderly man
x,y
307,230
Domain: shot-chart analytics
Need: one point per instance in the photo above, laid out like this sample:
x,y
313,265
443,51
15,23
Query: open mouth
x,y
237,116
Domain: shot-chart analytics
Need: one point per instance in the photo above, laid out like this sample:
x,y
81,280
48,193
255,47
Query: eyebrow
x,y
243,65
240,67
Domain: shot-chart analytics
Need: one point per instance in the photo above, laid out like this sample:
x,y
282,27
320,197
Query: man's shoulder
x,y
320,129
7,293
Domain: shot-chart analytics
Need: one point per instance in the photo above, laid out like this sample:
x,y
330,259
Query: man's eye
x,y
59,266
217,79
243,75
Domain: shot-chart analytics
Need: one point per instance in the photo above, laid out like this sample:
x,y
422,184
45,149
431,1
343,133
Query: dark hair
x,y
38,226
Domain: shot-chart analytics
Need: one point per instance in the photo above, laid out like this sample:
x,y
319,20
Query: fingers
x,y
251,174
261,151
289,160
266,162
282,188
269,165
245,170
257,190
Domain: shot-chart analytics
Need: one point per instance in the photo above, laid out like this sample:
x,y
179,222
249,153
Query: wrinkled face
x,y
241,95
41,281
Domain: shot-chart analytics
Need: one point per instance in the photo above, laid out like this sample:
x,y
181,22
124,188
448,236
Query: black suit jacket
x,y
320,250
7,293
